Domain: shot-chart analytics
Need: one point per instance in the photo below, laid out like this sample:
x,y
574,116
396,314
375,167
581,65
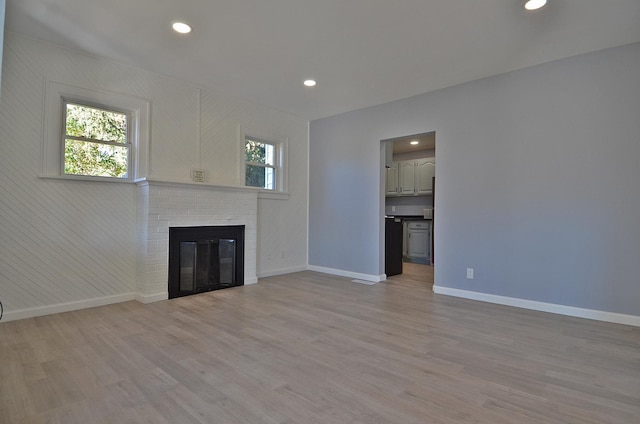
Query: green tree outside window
x,y
96,142
260,158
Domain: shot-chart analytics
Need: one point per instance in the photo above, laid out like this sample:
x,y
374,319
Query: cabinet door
x,y
419,241
425,171
407,177
419,244
392,180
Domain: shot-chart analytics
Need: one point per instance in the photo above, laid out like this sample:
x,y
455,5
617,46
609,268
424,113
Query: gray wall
x,y
538,182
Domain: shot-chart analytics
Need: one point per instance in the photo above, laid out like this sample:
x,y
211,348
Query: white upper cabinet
x,y
425,171
392,179
407,172
410,177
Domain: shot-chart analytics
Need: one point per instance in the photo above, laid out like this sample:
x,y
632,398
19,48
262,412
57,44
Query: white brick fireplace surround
x,y
165,204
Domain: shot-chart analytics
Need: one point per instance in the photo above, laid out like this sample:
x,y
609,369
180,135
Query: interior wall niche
x,y
205,258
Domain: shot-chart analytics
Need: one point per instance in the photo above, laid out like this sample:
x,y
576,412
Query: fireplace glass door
x,y
207,264
201,262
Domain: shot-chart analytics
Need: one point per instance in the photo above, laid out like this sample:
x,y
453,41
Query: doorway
x,y
409,188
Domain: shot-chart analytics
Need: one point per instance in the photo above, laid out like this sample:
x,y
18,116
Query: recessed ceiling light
x,y
181,27
309,83
534,4
414,142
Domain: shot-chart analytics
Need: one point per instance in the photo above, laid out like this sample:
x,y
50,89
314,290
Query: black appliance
x,y
392,246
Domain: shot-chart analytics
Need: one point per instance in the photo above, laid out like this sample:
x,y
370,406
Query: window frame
x,y
280,166
64,136
57,95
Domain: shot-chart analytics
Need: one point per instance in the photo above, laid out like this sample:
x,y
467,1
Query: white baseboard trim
x,y
348,274
248,281
66,307
150,298
542,306
281,271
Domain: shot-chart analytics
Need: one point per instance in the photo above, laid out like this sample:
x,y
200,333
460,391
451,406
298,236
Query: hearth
x,y
205,258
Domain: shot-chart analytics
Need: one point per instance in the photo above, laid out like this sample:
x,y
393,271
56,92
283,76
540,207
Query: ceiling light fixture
x,y
309,83
181,27
534,4
414,142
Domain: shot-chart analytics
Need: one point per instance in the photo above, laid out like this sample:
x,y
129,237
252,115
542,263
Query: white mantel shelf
x,y
262,194
153,181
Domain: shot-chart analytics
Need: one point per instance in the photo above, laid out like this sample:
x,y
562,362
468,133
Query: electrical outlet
x,y
470,273
393,208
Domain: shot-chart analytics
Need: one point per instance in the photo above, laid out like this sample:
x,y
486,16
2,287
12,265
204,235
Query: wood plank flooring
x,y
313,348
415,274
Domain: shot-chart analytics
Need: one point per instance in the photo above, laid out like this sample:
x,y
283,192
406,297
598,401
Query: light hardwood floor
x,y
313,348
415,274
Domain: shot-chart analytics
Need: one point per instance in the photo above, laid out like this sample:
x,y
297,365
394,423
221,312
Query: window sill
x,y
87,178
273,195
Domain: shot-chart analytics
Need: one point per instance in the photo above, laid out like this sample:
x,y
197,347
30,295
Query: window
x,y
96,141
94,135
264,163
260,161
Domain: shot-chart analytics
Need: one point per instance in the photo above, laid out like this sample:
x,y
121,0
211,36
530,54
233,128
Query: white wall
x,y
69,241
538,182
2,13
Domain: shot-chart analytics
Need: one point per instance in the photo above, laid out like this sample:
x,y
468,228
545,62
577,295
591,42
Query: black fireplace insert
x,y
206,258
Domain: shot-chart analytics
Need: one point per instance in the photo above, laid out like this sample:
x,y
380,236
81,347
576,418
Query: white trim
x,y
249,281
66,307
199,125
2,25
308,187
143,182
281,271
348,274
541,306
85,178
266,194
150,298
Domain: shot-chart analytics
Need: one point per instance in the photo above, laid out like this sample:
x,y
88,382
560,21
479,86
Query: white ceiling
x,y
362,52
426,141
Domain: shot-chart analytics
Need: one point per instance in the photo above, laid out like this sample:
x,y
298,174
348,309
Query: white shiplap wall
x,y
68,244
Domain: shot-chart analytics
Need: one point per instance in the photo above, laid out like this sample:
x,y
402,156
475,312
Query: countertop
x,y
409,217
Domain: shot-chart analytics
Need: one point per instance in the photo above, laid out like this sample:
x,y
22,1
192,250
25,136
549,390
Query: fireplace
x,y
205,258
163,205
